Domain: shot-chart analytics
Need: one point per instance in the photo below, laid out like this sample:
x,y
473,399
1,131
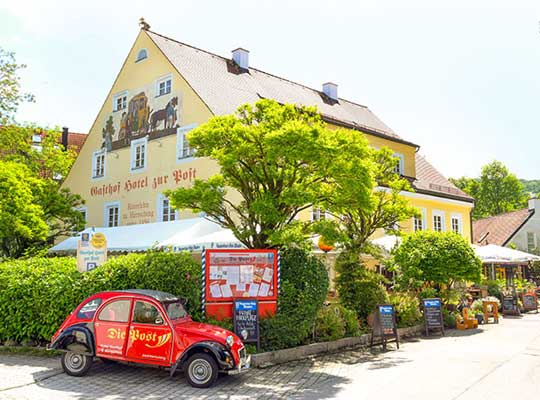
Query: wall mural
x,y
144,115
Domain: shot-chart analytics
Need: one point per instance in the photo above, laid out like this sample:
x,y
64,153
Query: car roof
x,y
155,294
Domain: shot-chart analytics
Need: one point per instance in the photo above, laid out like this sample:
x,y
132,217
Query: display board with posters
x,y
530,302
246,320
384,329
231,274
91,251
433,317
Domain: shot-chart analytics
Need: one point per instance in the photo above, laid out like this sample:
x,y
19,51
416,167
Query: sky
x,y
461,79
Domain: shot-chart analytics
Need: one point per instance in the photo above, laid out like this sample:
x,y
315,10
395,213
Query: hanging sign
x,y
246,320
91,251
529,302
433,318
384,326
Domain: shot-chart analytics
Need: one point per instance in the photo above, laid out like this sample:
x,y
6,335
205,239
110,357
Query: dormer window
x,y
142,55
400,164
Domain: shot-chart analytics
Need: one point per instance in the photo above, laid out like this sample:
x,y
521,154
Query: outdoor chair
x,y
466,321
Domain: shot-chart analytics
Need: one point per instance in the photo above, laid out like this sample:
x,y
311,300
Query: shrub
x,y
449,318
335,322
495,287
304,286
428,293
407,309
359,289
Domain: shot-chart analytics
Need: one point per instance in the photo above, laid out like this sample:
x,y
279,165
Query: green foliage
x,y
449,318
428,293
50,211
436,258
304,287
10,87
335,322
496,191
495,287
359,289
37,294
407,309
275,161
531,186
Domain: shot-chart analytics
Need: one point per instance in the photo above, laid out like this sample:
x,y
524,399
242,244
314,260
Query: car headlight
x,y
229,340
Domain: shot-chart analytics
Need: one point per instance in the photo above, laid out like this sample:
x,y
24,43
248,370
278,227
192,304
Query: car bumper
x,y
242,367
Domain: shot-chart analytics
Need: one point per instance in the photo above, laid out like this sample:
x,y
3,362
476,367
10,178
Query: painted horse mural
x,y
166,115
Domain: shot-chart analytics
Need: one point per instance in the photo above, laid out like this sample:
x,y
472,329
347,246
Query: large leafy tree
x,y
10,87
39,171
275,161
496,191
437,259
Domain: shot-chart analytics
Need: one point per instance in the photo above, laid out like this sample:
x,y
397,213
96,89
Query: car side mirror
x,y
183,301
158,321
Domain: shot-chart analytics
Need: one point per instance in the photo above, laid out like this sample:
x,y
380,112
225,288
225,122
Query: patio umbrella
x,y
493,254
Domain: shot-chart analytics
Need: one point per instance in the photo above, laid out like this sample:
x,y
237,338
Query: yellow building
x,y
137,146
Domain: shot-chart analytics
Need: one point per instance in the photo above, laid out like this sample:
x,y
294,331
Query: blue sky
x,y
461,81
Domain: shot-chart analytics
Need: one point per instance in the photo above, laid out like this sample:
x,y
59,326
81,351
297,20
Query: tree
x,y
437,259
496,191
10,87
40,170
275,161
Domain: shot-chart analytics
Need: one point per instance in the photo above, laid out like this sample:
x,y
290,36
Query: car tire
x,y
201,370
76,364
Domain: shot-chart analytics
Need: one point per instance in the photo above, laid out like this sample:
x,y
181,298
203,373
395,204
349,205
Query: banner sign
x,y
384,325
433,315
246,320
91,251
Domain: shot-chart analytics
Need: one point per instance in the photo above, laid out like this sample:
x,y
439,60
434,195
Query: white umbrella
x,y
494,254
387,242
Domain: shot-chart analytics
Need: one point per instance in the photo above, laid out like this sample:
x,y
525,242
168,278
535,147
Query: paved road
x,y
495,362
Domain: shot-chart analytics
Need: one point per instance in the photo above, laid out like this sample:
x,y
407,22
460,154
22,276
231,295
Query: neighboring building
x,y
137,147
70,140
519,228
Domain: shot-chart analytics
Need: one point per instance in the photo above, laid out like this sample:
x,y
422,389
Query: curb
x,y
263,360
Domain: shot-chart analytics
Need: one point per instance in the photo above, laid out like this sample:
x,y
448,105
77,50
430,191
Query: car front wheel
x,y
76,364
201,370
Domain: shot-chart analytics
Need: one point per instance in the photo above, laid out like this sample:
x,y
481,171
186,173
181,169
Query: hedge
x,y
37,294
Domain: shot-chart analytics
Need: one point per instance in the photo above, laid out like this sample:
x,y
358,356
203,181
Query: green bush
x,y
359,289
335,322
449,319
407,309
428,293
37,294
495,287
304,287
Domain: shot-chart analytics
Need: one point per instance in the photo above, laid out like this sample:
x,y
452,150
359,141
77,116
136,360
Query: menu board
x,y
384,325
529,302
433,315
246,320
232,274
509,305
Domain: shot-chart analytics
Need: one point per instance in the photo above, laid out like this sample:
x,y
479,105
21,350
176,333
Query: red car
x,y
147,327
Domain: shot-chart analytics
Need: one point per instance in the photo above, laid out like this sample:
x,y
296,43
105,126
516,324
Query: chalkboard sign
x,y
246,320
510,305
529,302
384,325
433,315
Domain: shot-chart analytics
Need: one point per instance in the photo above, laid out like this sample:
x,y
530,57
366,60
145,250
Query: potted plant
x,y
479,317
477,308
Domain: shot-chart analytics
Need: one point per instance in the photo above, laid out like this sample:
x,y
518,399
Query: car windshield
x,y
175,310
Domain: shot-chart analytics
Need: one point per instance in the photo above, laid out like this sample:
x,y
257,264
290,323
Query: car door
x,y
111,328
150,335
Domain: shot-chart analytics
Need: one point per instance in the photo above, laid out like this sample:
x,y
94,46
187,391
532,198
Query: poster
x,y
91,251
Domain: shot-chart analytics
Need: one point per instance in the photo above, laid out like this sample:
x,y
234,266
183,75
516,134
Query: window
x,y
138,154
457,226
146,313
164,85
120,101
117,311
165,211
438,221
419,222
36,138
183,149
98,164
112,214
400,164
141,55
531,242
89,309
84,212
175,310
318,214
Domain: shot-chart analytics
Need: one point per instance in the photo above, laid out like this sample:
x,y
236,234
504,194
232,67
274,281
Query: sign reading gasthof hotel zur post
x,y
91,251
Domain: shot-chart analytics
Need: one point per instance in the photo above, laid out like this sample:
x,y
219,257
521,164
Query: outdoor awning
x,y
493,254
187,234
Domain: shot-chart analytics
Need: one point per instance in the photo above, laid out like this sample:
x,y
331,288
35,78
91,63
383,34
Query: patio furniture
x,y
491,310
466,321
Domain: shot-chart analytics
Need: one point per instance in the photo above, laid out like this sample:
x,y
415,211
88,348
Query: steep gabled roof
x,y
223,87
429,180
499,229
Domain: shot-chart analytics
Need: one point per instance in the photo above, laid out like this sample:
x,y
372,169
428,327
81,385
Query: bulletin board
x,y
231,274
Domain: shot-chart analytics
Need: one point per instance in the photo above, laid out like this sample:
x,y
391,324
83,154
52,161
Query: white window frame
x,y
319,211
439,213
162,80
106,208
95,155
181,140
422,219
139,59
134,145
459,219
83,209
161,198
117,96
400,167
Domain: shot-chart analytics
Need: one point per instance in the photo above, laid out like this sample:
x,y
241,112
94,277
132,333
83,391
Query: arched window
x,y
141,55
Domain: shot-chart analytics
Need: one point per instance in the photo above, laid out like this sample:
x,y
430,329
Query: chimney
x,y
534,205
330,89
241,57
65,137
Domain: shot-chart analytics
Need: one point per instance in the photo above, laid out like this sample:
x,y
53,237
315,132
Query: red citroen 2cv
x,y
147,327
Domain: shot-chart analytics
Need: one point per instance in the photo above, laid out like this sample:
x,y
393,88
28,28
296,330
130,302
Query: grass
x,y
26,350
